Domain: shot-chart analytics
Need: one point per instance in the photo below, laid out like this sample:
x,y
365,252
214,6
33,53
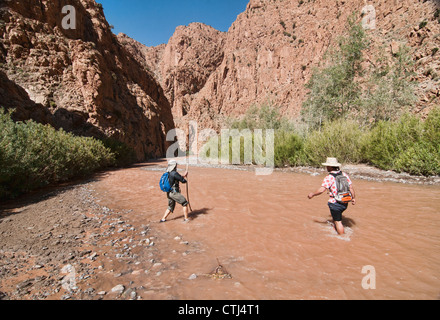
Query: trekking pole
x,y
187,189
187,196
187,183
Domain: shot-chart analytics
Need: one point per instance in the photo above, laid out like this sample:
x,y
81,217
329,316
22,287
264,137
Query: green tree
x,y
383,89
390,89
333,89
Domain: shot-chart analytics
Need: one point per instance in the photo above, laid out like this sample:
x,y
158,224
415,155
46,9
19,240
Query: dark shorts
x,y
337,210
176,197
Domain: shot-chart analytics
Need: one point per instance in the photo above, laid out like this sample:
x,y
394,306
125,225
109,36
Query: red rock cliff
x,y
269,53
81,79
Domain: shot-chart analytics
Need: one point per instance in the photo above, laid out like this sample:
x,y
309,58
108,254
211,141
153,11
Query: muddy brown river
x,y
277,244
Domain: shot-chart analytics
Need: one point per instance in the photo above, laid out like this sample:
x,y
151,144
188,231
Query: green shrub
x,y
407,145
388,140
289,149
124,155
432,127
340,139
33,155
423,158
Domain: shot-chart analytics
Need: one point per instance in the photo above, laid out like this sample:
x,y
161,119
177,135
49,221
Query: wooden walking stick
x,y
187,168
187,191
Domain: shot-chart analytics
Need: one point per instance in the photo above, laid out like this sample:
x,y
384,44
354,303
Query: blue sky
x,y
153,22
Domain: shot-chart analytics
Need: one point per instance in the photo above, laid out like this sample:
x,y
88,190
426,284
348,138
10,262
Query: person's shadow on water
x,y
347,222
194,214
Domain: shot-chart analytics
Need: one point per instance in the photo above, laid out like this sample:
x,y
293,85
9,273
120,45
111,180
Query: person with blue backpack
x,y
170,183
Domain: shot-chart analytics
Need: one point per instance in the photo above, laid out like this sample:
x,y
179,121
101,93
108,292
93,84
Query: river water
x,y
279,245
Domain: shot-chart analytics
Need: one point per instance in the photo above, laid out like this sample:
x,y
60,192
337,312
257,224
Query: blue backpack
x,y
165,185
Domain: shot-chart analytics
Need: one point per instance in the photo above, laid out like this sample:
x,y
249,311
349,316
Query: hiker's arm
x,y
180,178
353,194
317,192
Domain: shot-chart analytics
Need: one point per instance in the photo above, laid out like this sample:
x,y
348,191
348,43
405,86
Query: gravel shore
x,y
59,245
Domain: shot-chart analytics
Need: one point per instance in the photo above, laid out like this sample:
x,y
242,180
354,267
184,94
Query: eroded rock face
x,y
269,53
184,65
91,82
81,79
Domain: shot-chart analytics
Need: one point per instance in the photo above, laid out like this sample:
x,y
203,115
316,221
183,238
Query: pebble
x,y
119,289
192,277
93,256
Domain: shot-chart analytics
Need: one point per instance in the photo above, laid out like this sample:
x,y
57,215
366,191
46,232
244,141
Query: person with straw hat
x,y
337,207
174,196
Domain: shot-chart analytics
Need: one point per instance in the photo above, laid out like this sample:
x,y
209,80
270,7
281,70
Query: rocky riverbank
x,y
61,246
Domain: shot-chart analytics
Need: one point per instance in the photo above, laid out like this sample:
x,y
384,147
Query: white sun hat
x,y
332,162
172,165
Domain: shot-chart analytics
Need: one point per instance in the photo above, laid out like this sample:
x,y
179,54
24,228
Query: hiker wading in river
x,y
340,189
174,196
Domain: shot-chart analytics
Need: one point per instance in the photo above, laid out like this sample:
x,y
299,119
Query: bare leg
x,y
167,213
339,227
185,212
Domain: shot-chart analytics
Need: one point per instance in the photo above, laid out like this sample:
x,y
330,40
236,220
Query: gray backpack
x,y
343,194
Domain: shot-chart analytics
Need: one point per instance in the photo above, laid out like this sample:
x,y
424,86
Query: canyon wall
x,y
91,82
270,51
82,80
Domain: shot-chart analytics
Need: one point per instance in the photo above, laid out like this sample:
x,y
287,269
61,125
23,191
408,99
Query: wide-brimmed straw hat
x,y
332,162
171,165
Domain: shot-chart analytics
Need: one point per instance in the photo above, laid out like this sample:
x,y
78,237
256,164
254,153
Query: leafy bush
x,y
289,149
422,158
34,155
432,127
124,155
340,139
388,140
407,145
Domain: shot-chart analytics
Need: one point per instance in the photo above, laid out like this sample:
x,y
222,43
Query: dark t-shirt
x,y
175,178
